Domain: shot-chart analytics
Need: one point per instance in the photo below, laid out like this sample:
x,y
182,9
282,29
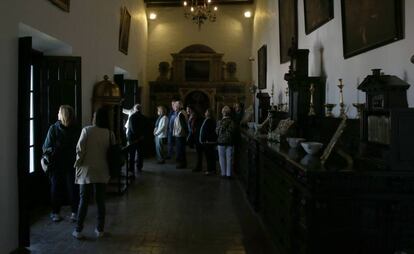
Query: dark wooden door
x,y
45,83
61,85
25,58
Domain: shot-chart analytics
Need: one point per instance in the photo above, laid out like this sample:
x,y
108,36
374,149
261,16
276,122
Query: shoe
x,y
161,162
77,235
55,217
181,166
196,170
98,233
207,173
229,177
73,217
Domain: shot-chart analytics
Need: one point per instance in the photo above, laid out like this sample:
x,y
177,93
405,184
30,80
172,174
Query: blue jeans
x,y
64,183
171,143
159,148
85,192
225,159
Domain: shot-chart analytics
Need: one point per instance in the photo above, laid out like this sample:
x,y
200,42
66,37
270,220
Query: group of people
x,y
80,168
183,128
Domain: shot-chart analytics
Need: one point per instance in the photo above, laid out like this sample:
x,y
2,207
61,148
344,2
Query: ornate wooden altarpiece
x,y
198,76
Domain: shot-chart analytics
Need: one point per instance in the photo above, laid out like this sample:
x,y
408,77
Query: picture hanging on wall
x,y
62,4
317,13
369,24
124,30
288,27
262,67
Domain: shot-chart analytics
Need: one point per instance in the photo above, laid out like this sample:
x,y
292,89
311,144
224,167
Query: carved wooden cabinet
x,y
311,210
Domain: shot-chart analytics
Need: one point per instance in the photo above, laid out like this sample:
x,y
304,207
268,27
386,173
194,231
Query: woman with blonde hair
x,y
160,133
60,144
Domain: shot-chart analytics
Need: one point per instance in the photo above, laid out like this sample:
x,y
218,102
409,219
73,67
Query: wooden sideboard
x,y
307,208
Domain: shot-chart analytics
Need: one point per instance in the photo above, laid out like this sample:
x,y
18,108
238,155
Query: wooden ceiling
x,y
158,3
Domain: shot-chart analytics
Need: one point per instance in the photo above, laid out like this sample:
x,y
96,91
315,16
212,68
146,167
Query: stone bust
x,y
163,68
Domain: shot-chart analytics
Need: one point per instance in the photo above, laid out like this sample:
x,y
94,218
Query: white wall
x,y
91,29
231,35
393,58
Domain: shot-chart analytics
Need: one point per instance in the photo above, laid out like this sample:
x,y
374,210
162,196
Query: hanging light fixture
x,y
199,11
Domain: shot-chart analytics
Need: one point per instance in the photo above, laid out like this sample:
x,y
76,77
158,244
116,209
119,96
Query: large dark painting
x,y
124,30
262,67
317,13
369,24
288,27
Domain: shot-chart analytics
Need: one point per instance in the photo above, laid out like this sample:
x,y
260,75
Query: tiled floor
x,y
165,211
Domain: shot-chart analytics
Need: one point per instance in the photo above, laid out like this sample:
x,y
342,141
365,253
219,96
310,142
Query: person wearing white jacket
x,y
92,171
160,133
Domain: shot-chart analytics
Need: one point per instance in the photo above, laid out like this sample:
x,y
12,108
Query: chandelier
x,y
199,11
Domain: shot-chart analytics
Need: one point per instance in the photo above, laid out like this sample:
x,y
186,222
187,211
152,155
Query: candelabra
x,y
311,108
341,98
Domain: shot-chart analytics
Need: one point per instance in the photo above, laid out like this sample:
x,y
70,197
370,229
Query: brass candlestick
x,y
329,107
359,107
311,109
341,99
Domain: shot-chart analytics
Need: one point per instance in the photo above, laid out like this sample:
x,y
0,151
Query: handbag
x,y
47,162
115,158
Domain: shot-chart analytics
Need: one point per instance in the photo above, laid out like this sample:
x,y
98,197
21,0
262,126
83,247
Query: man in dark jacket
x,y
135,136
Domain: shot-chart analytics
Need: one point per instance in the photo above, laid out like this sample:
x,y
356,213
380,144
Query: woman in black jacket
x,y
208,139
60,143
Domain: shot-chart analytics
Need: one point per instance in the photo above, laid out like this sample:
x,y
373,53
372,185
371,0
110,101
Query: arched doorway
x,y
198,100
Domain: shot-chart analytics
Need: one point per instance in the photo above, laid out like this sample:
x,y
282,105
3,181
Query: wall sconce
x,y
152,16
247,14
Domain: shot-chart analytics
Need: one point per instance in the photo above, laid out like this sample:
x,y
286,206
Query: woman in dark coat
x,y
208,139
60,143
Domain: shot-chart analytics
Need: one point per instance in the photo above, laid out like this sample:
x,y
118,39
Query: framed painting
x,y
62,4
288,27
124,30
369,24
262,67
317,13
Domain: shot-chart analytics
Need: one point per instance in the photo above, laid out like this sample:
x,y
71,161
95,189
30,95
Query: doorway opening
x,y
199,100
45,83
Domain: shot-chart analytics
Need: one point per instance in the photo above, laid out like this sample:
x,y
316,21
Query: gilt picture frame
x,y
62,4
124,28
262,67
317,13
288,27
369,24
